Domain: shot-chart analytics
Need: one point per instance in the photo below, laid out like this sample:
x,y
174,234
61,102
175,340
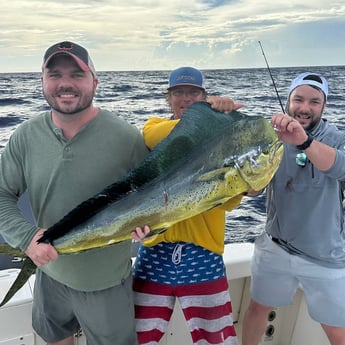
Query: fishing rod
x,y
274,84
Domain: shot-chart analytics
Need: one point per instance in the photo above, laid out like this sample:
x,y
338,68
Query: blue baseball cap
x,y
312,79
186,76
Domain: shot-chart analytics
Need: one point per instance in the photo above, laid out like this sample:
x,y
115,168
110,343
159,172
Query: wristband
x,y
307,143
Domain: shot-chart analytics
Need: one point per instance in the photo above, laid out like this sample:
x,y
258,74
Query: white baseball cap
x,y
312,79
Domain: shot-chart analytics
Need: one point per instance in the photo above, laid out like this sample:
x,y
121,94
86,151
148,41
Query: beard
x,y
66,109
312,124
314,118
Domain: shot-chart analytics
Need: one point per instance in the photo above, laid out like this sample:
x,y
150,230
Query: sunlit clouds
x,y
160,34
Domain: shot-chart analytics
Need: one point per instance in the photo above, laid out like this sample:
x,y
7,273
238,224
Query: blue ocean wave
x,y
13,101
9,121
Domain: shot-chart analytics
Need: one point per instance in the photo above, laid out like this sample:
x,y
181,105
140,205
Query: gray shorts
x,y
277,274
106,317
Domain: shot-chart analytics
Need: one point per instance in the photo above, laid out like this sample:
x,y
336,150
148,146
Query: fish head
x,y
258,167
259,156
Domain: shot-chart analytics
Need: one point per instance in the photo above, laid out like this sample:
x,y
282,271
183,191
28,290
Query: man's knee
x,y
258,308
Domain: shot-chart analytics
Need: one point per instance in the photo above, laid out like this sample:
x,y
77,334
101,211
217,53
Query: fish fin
x,y
213,174
8,250
25,273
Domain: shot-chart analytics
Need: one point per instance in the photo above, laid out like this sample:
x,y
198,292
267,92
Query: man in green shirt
x,y
62,158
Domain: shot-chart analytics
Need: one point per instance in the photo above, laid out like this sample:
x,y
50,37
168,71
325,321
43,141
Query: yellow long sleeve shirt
x,y
205,229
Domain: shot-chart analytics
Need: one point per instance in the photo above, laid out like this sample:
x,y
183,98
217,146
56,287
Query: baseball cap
x,y
186,76
79,54
309,78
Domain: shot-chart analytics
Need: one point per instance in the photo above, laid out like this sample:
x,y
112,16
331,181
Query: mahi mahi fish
x,y
208,158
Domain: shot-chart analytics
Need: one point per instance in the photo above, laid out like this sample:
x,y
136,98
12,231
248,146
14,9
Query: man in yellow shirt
x,y
185,262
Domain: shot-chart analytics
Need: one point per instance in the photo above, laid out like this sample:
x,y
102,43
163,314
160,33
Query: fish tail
x,y
25,273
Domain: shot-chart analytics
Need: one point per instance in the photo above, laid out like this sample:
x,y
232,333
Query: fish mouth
x,y
251,156
252,165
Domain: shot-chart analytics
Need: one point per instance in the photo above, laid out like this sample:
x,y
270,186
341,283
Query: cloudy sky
x,y
163,34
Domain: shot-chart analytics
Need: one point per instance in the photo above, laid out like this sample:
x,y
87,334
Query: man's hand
x,y
288,129
40,253
139,234
224,104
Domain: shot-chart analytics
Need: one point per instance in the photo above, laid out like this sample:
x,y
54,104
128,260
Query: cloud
x,y
157,34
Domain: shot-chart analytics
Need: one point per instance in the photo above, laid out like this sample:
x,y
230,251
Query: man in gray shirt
x,y
304,241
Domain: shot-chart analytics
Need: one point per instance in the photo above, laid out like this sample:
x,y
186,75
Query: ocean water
x,y
138,95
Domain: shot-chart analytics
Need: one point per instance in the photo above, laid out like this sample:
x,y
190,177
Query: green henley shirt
x,y
58,175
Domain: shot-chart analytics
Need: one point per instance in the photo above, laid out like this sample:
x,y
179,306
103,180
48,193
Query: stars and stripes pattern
x,y
193,275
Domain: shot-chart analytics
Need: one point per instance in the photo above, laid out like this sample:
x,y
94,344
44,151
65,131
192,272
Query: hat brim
x,y
82,65
186,84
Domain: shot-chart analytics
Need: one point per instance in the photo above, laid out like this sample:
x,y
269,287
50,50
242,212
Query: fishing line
x,y
274,84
